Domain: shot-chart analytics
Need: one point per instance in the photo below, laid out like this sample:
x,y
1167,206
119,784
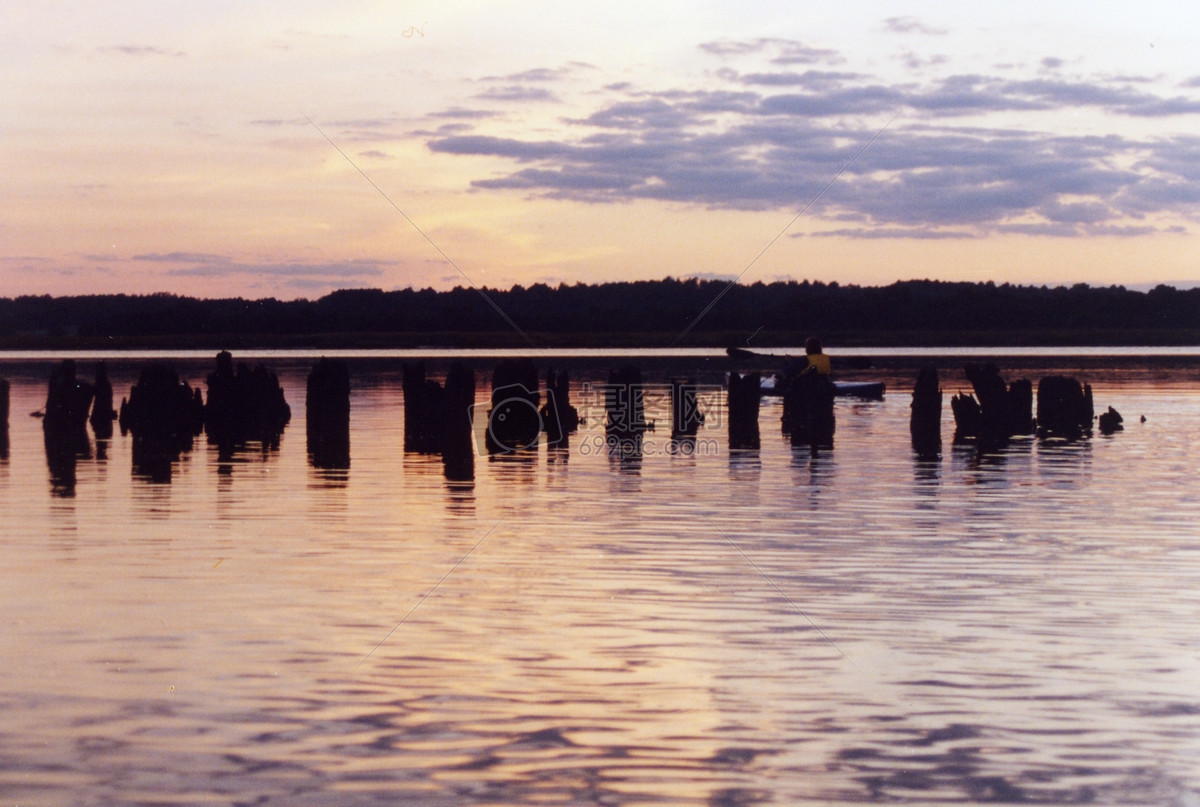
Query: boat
x,y
774,385
870,390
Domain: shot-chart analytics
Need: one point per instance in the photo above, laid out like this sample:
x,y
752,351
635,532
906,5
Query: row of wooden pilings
x,y
164,414
998,411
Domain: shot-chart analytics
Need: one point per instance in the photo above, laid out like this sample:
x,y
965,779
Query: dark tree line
x,y
921,309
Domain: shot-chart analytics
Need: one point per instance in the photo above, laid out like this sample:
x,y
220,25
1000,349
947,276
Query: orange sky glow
x,y
290,150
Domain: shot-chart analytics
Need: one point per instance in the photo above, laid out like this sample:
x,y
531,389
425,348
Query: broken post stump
x,y
808,417
458,435
559,417
686,417
514,421
103,414
244,405
327,414
1111,421
1064,408
744,398
925,420
996,412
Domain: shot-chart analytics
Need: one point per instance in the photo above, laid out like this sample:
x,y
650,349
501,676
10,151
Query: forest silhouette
x,y
650,313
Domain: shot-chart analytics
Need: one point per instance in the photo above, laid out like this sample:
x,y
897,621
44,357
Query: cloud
x,y
204,264
771,139
328,271
517,94
910,25
785,51
923,233
543,74
140,50
183,257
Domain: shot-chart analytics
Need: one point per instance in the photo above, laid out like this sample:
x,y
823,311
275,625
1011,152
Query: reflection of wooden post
x,y
925,422
685,410
327,414
745,394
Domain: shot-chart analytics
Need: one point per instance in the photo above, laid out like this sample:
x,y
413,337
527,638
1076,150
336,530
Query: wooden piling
x,y
808,416
925,420
102,405
327,414
1064,408
458,435
686,417
744,397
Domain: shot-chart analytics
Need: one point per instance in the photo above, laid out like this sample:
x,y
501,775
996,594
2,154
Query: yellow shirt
x,y
821,362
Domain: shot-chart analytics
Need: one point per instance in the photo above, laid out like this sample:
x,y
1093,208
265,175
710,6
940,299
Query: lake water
x,y
699,626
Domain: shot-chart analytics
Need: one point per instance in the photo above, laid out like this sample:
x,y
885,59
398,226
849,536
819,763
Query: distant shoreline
x,y
511,340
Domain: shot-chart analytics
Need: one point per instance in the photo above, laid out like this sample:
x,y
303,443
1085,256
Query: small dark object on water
x,y
1111,421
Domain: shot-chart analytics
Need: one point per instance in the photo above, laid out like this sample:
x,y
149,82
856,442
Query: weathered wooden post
x,y
625,415
808,411
458,434
559,417
160,414
1020,407
686,416
68,401
244,405
1111,421
424,400
1064,407
1002,411
925,420
744,397
4,391
514,421
102,405
327,414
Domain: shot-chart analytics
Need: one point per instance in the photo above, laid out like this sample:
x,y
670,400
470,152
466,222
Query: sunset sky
x,y
290,149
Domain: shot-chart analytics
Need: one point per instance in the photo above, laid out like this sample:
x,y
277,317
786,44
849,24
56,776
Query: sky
x,y
280,150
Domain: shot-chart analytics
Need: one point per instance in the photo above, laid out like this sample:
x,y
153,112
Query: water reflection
x,y
460,498
599,647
